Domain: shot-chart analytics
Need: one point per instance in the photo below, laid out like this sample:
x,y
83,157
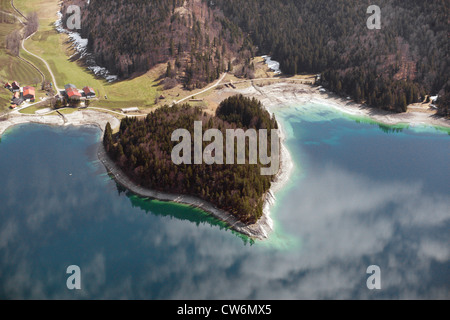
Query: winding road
x,y
116,112
21,58
203,91
45,62
17,10
20,19
30,53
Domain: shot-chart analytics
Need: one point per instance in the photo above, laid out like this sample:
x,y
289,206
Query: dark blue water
x,y
359,196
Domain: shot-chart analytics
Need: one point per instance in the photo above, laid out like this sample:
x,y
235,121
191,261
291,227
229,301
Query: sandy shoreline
x,y
281,179
286,94
79,118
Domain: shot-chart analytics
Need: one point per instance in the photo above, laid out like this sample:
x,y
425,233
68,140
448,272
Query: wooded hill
x,y
143,148
132,36
386,68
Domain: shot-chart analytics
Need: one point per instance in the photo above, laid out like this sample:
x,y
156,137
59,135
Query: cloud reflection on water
x,y
345,222
342,237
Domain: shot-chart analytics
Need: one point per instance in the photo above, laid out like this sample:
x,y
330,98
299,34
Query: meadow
x,y
57,51
11,67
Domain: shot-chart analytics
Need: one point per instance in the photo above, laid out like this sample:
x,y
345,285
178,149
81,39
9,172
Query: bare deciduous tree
x,y
32,24
6,18
13,43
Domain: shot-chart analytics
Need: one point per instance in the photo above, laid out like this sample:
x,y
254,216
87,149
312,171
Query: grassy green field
x,y
13,68
32,110
140,91
55,49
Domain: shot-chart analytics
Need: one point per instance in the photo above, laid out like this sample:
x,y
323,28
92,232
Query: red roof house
x,y
29,93
73,93
89,92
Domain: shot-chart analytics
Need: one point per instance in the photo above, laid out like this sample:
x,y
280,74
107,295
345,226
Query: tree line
x,y
405,60
14,39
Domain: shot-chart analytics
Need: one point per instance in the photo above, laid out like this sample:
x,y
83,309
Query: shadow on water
x,y
180,212
390,129
383,127
398,128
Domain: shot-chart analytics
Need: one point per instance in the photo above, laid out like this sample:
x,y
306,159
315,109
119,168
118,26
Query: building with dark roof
x,y
68,86
15,86
17,99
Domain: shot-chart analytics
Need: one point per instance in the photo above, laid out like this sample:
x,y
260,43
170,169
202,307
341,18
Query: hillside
x,y
131,36
12,66
388,68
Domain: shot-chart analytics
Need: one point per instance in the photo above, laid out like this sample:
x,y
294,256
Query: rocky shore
x,y
78,118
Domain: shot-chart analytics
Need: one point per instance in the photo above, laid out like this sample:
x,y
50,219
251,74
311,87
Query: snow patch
x,y
272,64
80,45
434,98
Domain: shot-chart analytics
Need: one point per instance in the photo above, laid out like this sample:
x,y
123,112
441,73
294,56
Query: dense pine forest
x,y
388,68
142,149
196,42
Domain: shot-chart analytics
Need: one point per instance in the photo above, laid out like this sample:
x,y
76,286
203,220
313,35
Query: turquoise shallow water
x,y
361,194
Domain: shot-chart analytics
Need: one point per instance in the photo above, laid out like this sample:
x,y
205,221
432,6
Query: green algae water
x,y
360,194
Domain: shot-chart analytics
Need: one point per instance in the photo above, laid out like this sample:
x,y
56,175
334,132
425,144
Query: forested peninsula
x,y
142,150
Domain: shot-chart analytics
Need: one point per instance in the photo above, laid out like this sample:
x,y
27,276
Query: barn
x,y
89,92
15,86
29,93
72,92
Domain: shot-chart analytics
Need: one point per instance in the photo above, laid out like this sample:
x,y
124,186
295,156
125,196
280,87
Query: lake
x,y
361,194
